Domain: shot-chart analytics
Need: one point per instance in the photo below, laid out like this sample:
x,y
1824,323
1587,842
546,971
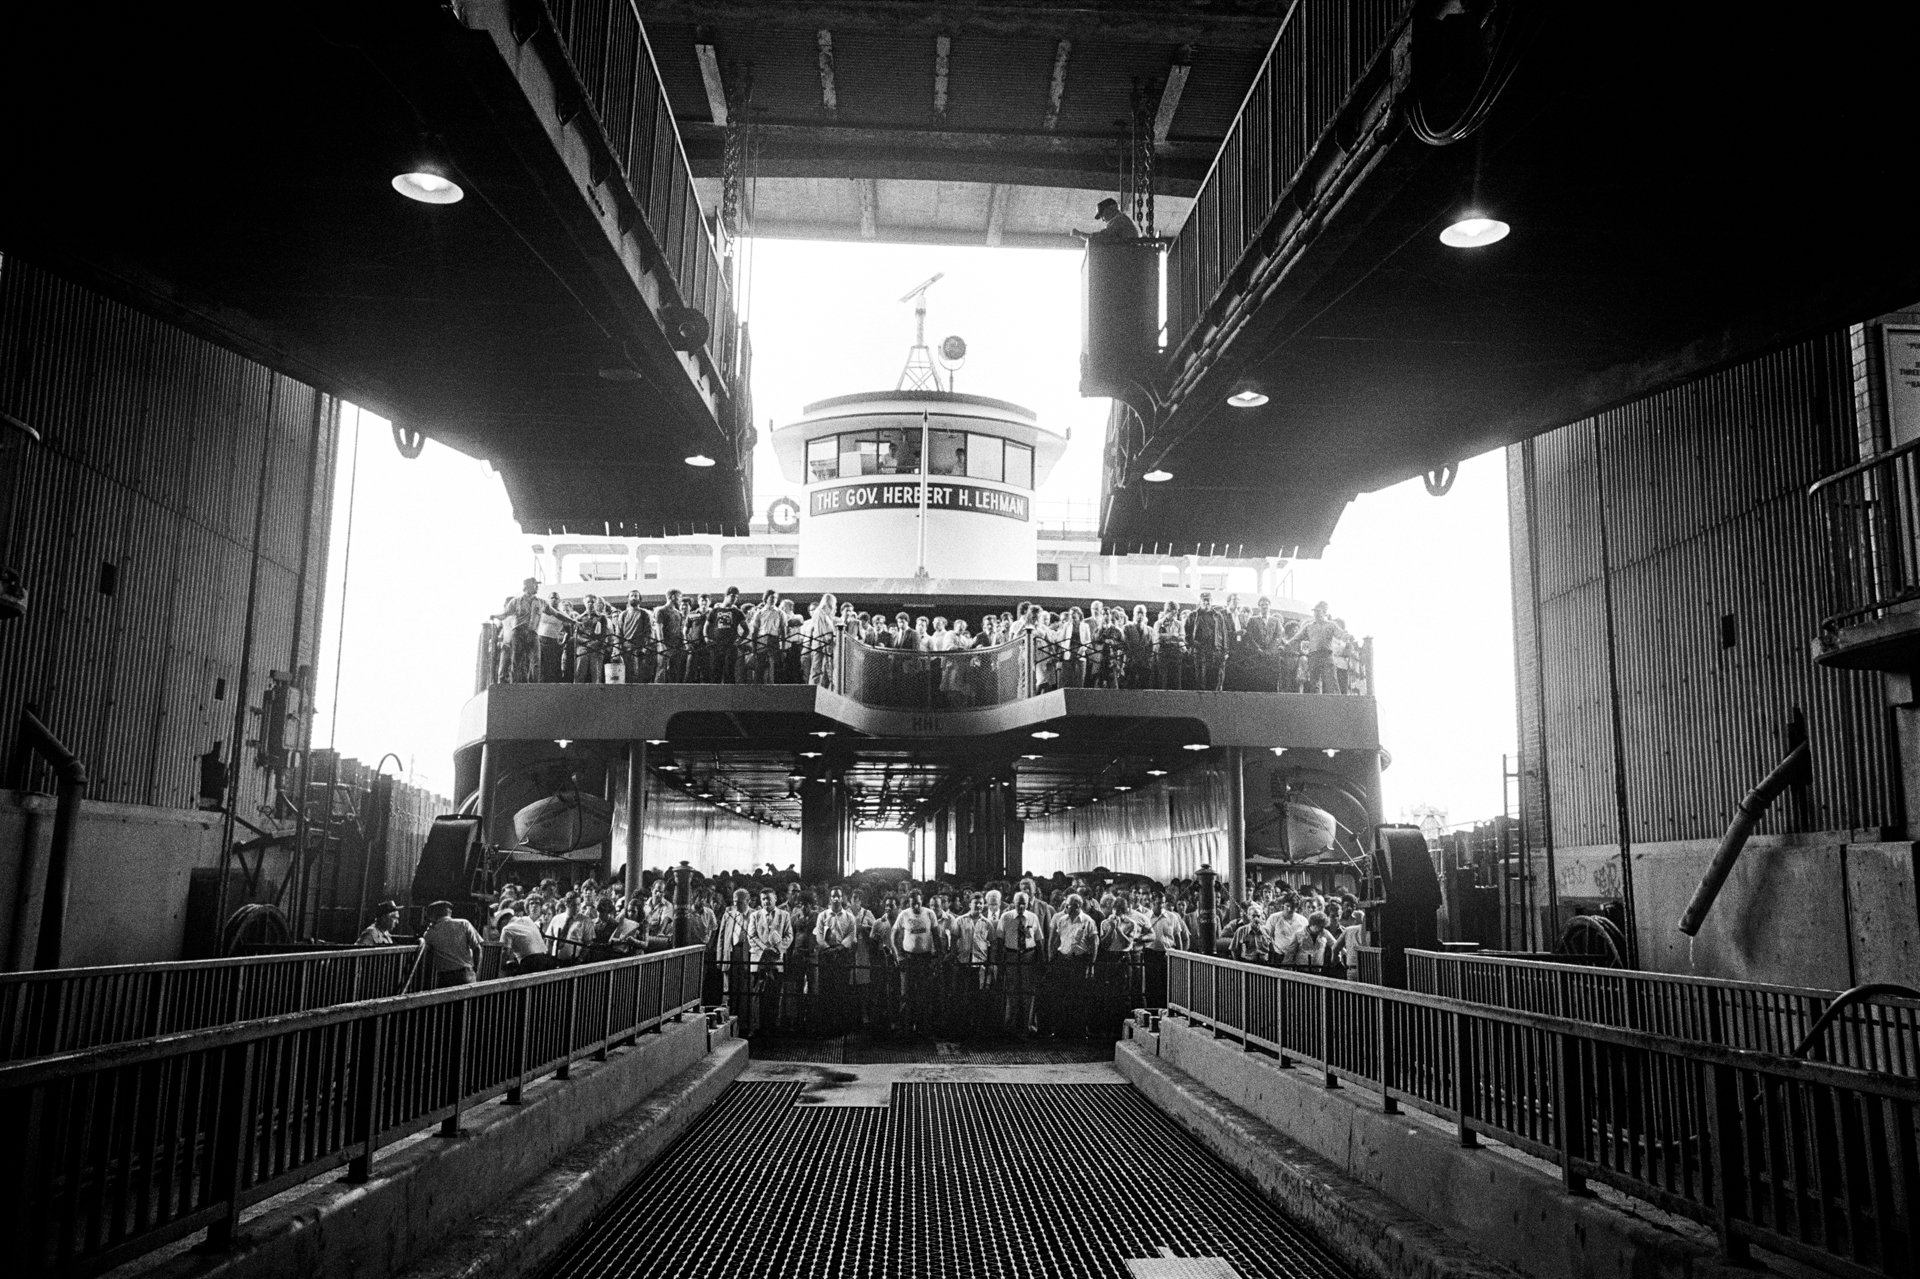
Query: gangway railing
x,y
1811,1160
116,1151
1883,1035
62,1010
1871,512
916,679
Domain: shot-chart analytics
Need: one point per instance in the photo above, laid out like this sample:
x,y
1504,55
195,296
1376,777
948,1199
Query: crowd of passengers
x,y
706,639
1065,956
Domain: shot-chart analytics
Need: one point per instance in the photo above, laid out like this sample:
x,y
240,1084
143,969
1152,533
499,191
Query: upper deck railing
x,y
1871,513
113,1152
64,1010
1811,1160
910,679
1883,1036
1320,56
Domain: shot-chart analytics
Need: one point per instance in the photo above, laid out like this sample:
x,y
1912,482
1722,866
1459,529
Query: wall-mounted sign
x,y
1903,384
784,515
885,494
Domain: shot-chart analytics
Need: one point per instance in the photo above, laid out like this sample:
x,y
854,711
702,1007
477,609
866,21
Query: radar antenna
x,y
920,374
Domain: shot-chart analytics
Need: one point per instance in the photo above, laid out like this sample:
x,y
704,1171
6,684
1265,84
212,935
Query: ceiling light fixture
x,y
809,754
1475,231
1247,397
1118,786
563,742
428,185
1029,757
699,459
1156,772
1195,746
1157,476
821,732
1045,735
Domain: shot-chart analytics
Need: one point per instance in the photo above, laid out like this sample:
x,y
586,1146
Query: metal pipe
x,y
1745,818
636,815
35,735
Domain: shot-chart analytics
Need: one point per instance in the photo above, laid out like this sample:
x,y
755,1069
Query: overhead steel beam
x,y
1219,24
1057,89
1019,159
942,47
710,77
1170,95
829,96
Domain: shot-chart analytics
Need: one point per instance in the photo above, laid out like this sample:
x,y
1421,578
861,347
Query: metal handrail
x,y
1863,466
116,1151
60,1010
1750,1016
1807,1159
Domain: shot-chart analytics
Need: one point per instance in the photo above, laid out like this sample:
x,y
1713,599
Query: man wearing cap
x,y
522,615
386,918
1207,635
1114,225
452,946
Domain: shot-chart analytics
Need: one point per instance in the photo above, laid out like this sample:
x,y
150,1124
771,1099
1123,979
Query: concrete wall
x,y
1795,911
1511,1211
127,882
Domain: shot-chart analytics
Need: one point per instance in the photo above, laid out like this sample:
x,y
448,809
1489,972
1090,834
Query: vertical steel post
x,y
1208,919
683,905
636,815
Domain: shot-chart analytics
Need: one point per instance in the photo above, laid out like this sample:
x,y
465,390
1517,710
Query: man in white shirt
x,y
1022,942
1284,924
523,941
1074,938
915,934
1165,931
770,930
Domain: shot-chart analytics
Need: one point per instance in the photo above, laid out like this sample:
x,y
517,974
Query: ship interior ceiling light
x,y
1158,475
699,459
1045,735
1474,231
428,185
809,754
1195,746
1156,772
1247,396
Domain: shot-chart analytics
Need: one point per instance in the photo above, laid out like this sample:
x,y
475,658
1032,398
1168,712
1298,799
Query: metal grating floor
x,y
954,1179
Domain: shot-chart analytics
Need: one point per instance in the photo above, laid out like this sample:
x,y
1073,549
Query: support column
x,y
1236,868
483,803
823,830
940,848
636,805
1013,831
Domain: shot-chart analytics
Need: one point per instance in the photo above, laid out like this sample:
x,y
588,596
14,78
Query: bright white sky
x,y
435,549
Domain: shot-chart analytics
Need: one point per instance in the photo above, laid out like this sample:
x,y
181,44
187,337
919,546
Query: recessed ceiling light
x,y
1247,398
821,732
1156,772
1194,746
809,754
1157,476
563,742
1474,232
1045,735
699,459
1119,787
428,187
669,768
1029,757
656,741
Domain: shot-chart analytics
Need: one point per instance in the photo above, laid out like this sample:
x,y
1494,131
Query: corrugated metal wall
x,y
712,840
1706,519
201,478
1163,831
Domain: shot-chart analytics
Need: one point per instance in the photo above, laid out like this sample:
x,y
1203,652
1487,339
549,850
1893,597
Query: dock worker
x,y
451,946
386,918
670,633
1114,225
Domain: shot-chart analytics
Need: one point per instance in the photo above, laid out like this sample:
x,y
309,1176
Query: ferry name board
x,y
885,494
